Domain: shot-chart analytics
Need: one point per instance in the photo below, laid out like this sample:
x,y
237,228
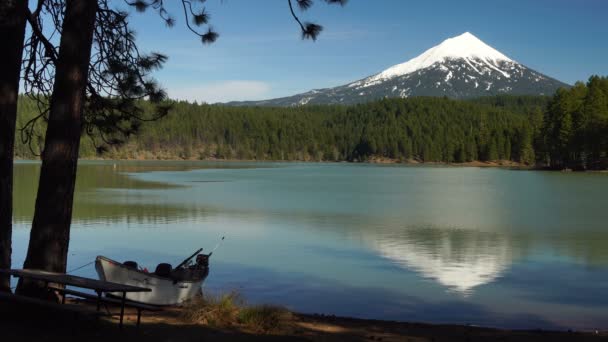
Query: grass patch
x,y
227,310
265,318
216,311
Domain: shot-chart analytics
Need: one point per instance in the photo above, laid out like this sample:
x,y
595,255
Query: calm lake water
x,y
493,247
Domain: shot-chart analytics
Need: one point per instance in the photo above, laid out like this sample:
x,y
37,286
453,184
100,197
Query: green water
x,y
522,249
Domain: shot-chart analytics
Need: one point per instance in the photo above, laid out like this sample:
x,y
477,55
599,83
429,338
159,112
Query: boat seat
x,y
131,264
163,270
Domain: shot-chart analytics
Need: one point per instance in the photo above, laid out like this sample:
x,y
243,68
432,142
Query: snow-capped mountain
x,y
459,67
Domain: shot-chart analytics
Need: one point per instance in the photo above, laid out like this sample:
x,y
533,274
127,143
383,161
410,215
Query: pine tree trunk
x,y
12,33
50,234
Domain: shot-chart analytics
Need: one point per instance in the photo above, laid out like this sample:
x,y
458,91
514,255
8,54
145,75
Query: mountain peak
x,y
459,67
465,46
468,45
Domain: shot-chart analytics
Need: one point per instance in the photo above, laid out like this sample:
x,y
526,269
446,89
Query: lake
x,y
491,247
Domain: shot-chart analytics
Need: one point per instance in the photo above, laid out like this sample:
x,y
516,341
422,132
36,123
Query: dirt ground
x,y
36,324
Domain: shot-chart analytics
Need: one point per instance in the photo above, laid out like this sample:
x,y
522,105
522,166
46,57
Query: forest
x,y
567,130
575,130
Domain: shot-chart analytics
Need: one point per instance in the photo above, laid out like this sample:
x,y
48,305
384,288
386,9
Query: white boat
x,y
169,286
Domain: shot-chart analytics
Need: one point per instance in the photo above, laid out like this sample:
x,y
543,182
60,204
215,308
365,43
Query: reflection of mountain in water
x,y
458,259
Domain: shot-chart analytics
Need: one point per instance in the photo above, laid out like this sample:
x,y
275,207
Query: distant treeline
x,y
523,129
576,126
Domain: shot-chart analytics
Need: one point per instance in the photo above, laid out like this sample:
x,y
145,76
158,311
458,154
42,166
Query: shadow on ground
x,y
36,324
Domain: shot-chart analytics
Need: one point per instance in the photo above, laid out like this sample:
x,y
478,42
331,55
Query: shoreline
x,y
450,331
499,164
372,161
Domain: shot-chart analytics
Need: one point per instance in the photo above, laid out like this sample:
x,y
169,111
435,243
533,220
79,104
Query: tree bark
x,y
50,234
12,33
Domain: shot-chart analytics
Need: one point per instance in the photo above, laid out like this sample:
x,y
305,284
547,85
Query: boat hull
x,y
165,291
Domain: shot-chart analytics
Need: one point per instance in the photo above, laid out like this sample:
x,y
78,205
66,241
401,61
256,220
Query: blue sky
x,y
260,54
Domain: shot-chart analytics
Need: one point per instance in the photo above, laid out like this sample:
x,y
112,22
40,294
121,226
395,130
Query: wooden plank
x,y
67,279
94,297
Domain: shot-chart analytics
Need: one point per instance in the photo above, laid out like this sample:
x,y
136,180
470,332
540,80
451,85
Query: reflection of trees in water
x,y
105,193
90,203
587,248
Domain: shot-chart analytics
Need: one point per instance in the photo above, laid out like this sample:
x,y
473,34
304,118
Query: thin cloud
x,y
224,91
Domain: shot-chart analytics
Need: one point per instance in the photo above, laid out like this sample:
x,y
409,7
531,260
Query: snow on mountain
x,y
459,67
466,46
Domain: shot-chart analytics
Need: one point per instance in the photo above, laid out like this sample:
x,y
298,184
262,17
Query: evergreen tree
x,y
91,85
12,33
575,126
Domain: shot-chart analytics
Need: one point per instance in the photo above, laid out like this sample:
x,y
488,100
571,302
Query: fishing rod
x,y
198,251
217,245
